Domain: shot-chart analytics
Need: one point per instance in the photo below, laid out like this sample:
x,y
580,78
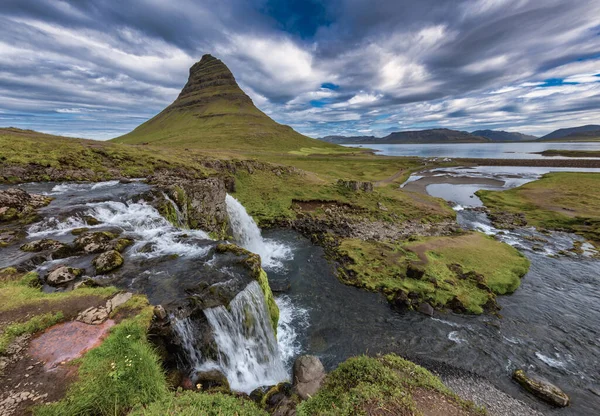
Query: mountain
x,y
582,133
212,112
349,139
412,137
504,136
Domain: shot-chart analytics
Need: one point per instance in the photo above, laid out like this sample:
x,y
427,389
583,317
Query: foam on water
x,y
291,318
552,362
53,225
149,227
454,337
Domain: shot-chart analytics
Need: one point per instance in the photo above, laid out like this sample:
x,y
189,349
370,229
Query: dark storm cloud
x,y
96,67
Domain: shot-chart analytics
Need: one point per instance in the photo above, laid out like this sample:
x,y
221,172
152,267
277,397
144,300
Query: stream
x,y
548,326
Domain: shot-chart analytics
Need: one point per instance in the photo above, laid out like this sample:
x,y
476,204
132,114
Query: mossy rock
x,y
108,261
251,262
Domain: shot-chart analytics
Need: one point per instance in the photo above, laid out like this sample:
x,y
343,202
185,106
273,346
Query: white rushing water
x,y
248,351
150,228
185,328
248,235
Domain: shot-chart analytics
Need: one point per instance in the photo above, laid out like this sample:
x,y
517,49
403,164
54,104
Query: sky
x,y
99,68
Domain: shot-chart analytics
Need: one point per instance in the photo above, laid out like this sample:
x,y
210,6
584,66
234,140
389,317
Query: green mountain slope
x,y
212,112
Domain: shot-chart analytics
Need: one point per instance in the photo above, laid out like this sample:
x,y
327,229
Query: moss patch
x,y
461,272
386,385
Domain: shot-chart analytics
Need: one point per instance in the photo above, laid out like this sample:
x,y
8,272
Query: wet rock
x,y
508,220
426,309
79,231
308,375
211,379
96,242
91,221
278,400
107,262
7,237
41,245
160,313
16,204
542,389
86,282
121,244
63,275
280,285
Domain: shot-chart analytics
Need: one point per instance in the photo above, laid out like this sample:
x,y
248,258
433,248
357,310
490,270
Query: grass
x,y
383,385
35,324
571,153
123,372
567,201
99,160
199,404
486,268
23,291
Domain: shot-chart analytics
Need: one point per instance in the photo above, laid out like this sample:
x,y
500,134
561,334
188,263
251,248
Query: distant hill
x,y
412,137
212,112
348,139
590,132
504,136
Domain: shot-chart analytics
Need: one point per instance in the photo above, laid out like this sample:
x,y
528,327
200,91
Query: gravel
x,y
483,393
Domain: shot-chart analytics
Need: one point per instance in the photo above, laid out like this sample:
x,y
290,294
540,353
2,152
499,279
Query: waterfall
x,y
181,217
185,330
247,234
248,351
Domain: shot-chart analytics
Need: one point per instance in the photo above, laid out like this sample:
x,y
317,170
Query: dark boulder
x,y
211,379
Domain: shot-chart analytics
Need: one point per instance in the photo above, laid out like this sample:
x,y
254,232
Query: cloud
x,y
97,68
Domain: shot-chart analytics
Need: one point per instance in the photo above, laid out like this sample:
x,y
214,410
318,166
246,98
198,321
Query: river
x,y
548,326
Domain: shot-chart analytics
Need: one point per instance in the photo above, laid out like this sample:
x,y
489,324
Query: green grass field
x,y
568,201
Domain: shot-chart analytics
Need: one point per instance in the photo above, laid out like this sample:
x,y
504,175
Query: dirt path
x,y
391,179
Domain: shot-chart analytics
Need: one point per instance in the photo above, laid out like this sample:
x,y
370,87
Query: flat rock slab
x,y
67,341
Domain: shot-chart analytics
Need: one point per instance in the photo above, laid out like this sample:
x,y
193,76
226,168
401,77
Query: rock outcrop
x,y
542,389
98,315
16,204
308,376
192,203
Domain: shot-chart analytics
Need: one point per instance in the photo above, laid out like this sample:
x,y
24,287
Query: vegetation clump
x,y
385,385
463,273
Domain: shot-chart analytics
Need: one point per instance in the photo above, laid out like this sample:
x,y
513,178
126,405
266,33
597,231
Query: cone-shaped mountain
x,y
212,112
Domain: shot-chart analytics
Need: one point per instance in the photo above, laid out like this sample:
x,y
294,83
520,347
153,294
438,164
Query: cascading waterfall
x,y
185,330
248,351
248,235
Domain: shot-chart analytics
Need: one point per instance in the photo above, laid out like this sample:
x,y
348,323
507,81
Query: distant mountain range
x,y
412,137
440,136
583,133
504,136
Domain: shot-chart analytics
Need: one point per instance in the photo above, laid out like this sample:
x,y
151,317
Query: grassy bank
x,y
463,272
570,153
386,385
567,201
